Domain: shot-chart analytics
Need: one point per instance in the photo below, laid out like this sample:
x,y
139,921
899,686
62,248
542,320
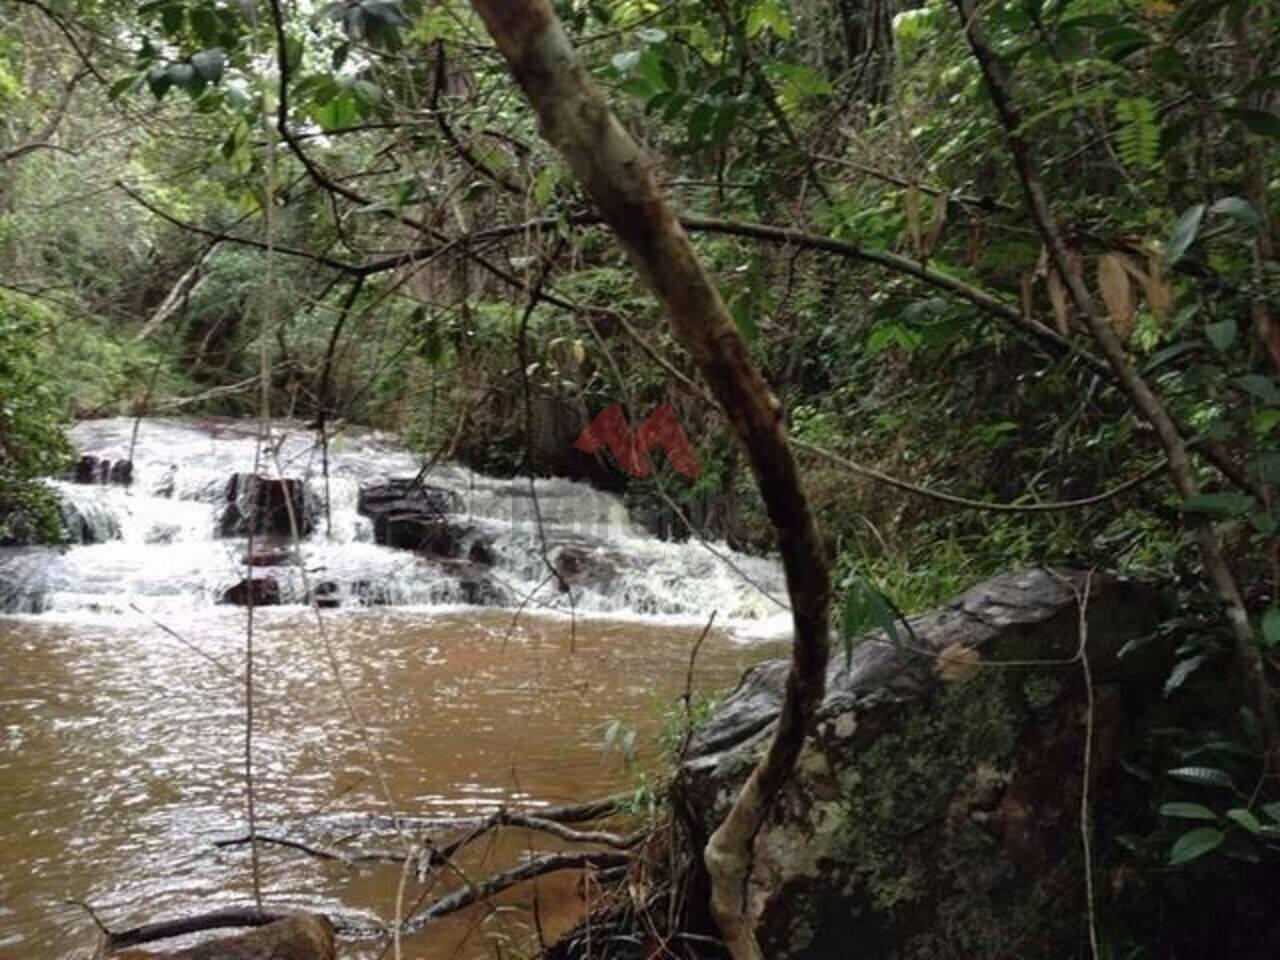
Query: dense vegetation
x,y
347,214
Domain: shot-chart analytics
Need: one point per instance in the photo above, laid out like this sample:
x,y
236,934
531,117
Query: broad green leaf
x,y
1187,811
1238,208
1203,776
1184,233
1245,819
1262,122
1222,334
1271,627
1229,503
1196,843
210,64
1260,387
1272,810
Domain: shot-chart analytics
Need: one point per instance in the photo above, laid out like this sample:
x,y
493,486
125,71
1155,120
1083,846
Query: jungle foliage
x,y
353,191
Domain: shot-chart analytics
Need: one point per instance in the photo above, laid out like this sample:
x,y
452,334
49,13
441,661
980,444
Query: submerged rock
x,y
588,567
86,522
264,505
270,554
261,591
300,937
935,811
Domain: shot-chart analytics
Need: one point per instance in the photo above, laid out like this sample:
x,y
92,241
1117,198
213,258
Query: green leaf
x,y
1203,777
1195,843
866,608
124,85
1259,387
1272,810
1184,233
1222,334
1262,122
651,34
159,81
1181,670
1245,819
1187,811
1229,503
1271,627
625,61
744,318
768,15
1238,208
210,64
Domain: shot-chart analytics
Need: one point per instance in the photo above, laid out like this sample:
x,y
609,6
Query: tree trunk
x,y
617,174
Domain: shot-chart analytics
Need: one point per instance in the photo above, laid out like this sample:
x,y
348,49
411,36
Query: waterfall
x,y
157,535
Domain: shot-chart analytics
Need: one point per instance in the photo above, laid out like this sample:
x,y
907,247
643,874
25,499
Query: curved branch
x,y
618,176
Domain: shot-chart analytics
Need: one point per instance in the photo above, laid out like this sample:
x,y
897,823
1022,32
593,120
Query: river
x,y
121,701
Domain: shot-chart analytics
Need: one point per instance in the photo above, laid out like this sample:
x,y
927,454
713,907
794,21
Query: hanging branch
x,y
1152,409
617,175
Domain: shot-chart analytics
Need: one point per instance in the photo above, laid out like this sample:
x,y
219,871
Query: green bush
x,y
32,417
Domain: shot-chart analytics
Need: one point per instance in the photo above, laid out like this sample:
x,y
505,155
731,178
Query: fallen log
x,y
276,936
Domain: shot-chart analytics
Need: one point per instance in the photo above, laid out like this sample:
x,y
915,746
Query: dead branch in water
x,y
530,870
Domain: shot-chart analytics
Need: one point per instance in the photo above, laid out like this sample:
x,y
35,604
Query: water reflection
x,y
123,753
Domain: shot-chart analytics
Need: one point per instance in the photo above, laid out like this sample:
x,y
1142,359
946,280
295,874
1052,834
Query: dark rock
x,y
261,591
415,516
405,496
91,468
935,808
371,594
87,523
326,595
479,589
262,505
588,567
268,554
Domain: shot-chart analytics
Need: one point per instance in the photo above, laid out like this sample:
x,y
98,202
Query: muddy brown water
x,y
123,753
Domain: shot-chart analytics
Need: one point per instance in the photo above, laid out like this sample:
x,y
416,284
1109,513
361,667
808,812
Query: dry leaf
x,y
956,663
977,234
1058,300
936,224
913,220
1159,294
1117,292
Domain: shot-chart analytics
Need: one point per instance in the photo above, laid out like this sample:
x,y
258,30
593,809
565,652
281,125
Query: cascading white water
x,y
154,545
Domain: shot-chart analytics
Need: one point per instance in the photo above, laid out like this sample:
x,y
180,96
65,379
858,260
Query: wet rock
x,y
264,505
300,937
371,594
414,516
588,567
88,522
91,468
269,554
326,595
935,807
260,591
479,589
404,495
